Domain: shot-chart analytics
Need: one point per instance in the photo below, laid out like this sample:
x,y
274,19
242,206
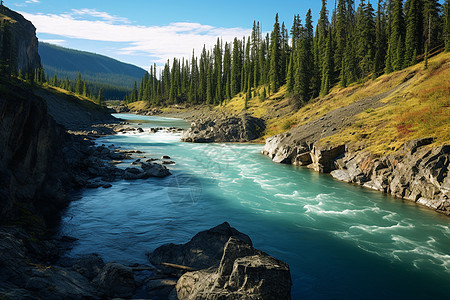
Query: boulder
x,y
242,128
116,280
204,250
89,265
155,170
243,273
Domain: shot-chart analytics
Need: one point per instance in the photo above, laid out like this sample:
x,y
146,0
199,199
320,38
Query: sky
x,y
143,32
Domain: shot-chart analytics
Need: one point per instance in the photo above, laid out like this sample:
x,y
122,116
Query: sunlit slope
x,y
415,102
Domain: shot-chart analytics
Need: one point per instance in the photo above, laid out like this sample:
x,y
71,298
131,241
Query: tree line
x,y
351,44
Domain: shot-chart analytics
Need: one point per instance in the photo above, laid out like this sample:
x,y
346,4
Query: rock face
x,y
21,38
227,129
226,266
31,161
417,173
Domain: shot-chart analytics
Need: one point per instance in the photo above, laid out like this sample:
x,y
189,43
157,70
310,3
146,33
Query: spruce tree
x,y
414,31
380,39
275,56
100,97
327,67
396,43
79,85
447,25
290,80
218,98
227,70
236,66
365,39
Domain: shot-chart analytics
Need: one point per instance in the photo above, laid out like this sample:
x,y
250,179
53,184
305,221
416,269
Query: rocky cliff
x,y
18,41
31,161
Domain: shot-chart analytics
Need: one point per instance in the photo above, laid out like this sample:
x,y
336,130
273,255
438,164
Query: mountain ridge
x,y
94,67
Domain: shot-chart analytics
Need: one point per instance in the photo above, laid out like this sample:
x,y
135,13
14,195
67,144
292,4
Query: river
x,y
340,240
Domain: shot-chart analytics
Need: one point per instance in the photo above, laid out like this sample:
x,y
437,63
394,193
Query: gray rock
x,y
89,265
204,250
116,280
155,170
59,283
242,128
243,273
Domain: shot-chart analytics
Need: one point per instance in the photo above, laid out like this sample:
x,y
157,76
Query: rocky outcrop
x,y
417,173
22,41
226,129
221,263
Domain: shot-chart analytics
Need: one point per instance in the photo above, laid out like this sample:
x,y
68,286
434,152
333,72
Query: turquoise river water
x,y
341,241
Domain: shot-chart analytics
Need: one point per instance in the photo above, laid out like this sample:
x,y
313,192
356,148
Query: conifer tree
x,y
380,39
414,31
100,97
365,39
275,56
327,67
290,80
236,66
396,42
227,70
218,73
447,25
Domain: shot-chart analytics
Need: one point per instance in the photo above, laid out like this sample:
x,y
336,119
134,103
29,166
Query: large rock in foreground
x,y
244,273
204,250
231,129
221,263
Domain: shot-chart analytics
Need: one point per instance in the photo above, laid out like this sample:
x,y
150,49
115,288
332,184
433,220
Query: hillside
x,y
389,110
93,67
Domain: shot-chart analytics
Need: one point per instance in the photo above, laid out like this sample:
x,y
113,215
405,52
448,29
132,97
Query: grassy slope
x,y
420,109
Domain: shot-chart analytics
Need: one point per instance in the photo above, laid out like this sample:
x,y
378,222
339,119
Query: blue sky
x,y
147,32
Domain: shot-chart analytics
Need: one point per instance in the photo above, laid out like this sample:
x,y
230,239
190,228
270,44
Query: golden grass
x,y
420,110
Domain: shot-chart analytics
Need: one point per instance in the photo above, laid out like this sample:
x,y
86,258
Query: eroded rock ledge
x,y
242,128
417,172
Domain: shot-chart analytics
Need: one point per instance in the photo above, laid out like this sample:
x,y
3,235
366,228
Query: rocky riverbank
x,y
219,263
417,172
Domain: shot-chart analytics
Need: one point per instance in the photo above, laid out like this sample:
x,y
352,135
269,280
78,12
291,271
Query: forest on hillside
x,y
349,45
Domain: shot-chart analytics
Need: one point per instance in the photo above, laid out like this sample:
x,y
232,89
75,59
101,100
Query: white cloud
x,y
164,42
32,1
100,15
54,42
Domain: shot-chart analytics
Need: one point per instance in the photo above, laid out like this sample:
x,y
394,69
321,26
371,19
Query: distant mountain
x,y
93,67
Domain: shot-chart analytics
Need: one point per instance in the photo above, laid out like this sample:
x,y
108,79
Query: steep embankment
x,y
73,111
